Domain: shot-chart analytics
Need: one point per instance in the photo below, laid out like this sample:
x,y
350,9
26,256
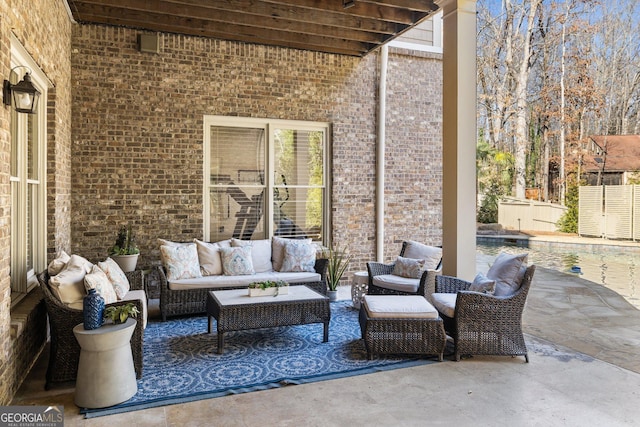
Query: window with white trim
x,y
28,176
264,178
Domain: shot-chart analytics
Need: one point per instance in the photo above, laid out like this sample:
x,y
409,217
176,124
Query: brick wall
x,y
137,134
44,29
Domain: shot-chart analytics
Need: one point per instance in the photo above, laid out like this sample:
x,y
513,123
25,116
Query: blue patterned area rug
x,y
181,363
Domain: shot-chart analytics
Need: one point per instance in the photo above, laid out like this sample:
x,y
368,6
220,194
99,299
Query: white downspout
x,y
380,150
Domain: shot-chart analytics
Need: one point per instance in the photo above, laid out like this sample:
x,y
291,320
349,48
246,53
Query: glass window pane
x,y
298,157
237,192
299,213
32,146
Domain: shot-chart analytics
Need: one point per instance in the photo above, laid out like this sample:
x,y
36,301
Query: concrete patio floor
x,y
584,370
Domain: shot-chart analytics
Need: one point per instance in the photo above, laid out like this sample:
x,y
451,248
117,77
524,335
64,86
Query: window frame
x,y
23,279
269,125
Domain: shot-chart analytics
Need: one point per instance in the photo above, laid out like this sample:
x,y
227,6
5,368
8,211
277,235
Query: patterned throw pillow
x,y
117,277
260,253
408,267
237,261
180,261
277,250
299,256
483,284
98,280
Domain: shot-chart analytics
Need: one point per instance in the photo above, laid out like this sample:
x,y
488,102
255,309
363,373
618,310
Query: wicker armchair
x,y
485,324
425,288
64,350
193,301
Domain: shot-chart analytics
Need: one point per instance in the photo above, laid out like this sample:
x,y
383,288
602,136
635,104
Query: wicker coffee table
x,y
235,310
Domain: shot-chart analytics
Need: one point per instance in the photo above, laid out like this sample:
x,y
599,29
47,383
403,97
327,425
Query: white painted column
x,y
459,138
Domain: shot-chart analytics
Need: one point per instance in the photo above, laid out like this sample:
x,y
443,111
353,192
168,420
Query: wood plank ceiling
x,y
349,27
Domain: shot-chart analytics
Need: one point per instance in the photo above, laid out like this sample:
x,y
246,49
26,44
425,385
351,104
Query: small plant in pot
x,y
125,252
120,313
337,265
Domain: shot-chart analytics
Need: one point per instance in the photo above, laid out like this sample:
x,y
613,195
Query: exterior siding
x,y
44,29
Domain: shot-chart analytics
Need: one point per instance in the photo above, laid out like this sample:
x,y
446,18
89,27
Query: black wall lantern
x,y
24,94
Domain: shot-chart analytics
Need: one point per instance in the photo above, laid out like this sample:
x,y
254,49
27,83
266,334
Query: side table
x,y
106,375
359,286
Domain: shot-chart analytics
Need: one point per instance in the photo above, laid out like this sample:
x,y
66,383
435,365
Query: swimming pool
x,y
618,271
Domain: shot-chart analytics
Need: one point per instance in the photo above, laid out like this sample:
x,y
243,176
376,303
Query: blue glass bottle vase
x,y
93,310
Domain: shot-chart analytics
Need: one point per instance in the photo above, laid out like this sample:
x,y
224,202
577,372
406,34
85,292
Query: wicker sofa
x,y
187,296
64,351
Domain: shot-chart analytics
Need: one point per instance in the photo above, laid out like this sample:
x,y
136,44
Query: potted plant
x,y
120,313
268,287
337,265
125,252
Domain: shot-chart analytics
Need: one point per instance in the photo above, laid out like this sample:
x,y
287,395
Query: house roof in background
x,y
619,153
330,26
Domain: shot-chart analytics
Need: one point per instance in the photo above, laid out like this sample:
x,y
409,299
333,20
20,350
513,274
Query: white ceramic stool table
x,y
106,375
359,286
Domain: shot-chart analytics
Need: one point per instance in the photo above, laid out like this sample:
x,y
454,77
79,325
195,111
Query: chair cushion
x,y
299,255
445,303
483,284
399,306
240,281
260,253
408,267
396,283
237,261
180,261
68,285
431,254
141,296
209,258
98,280
56,265
116,276
506,272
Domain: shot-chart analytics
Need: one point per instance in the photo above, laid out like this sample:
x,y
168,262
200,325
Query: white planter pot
x,y
333,295
257,292
126,262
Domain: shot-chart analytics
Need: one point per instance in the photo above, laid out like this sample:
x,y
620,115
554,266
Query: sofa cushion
x,y
260,253
299,256
408,267
243,280
56,265
397,283
141,296
506,271
237,261
180,261
68,285
277,250
399,306
117,277
431,254
209,258
445,303
483,284
98,280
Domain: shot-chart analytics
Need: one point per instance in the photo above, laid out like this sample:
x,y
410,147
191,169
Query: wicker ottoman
x,y
401,324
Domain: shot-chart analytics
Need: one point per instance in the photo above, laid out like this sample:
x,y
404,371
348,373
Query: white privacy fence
x,y
531,215
610,211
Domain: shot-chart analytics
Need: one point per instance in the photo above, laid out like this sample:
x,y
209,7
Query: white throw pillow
x,y
506,272
431,254
299,256
408,267
180,261
260,253
209,258
98,280
277,250
237,261
116,276
58,263
483,284
68,285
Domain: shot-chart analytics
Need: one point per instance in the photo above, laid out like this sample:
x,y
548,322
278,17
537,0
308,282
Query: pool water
x,y
617,271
